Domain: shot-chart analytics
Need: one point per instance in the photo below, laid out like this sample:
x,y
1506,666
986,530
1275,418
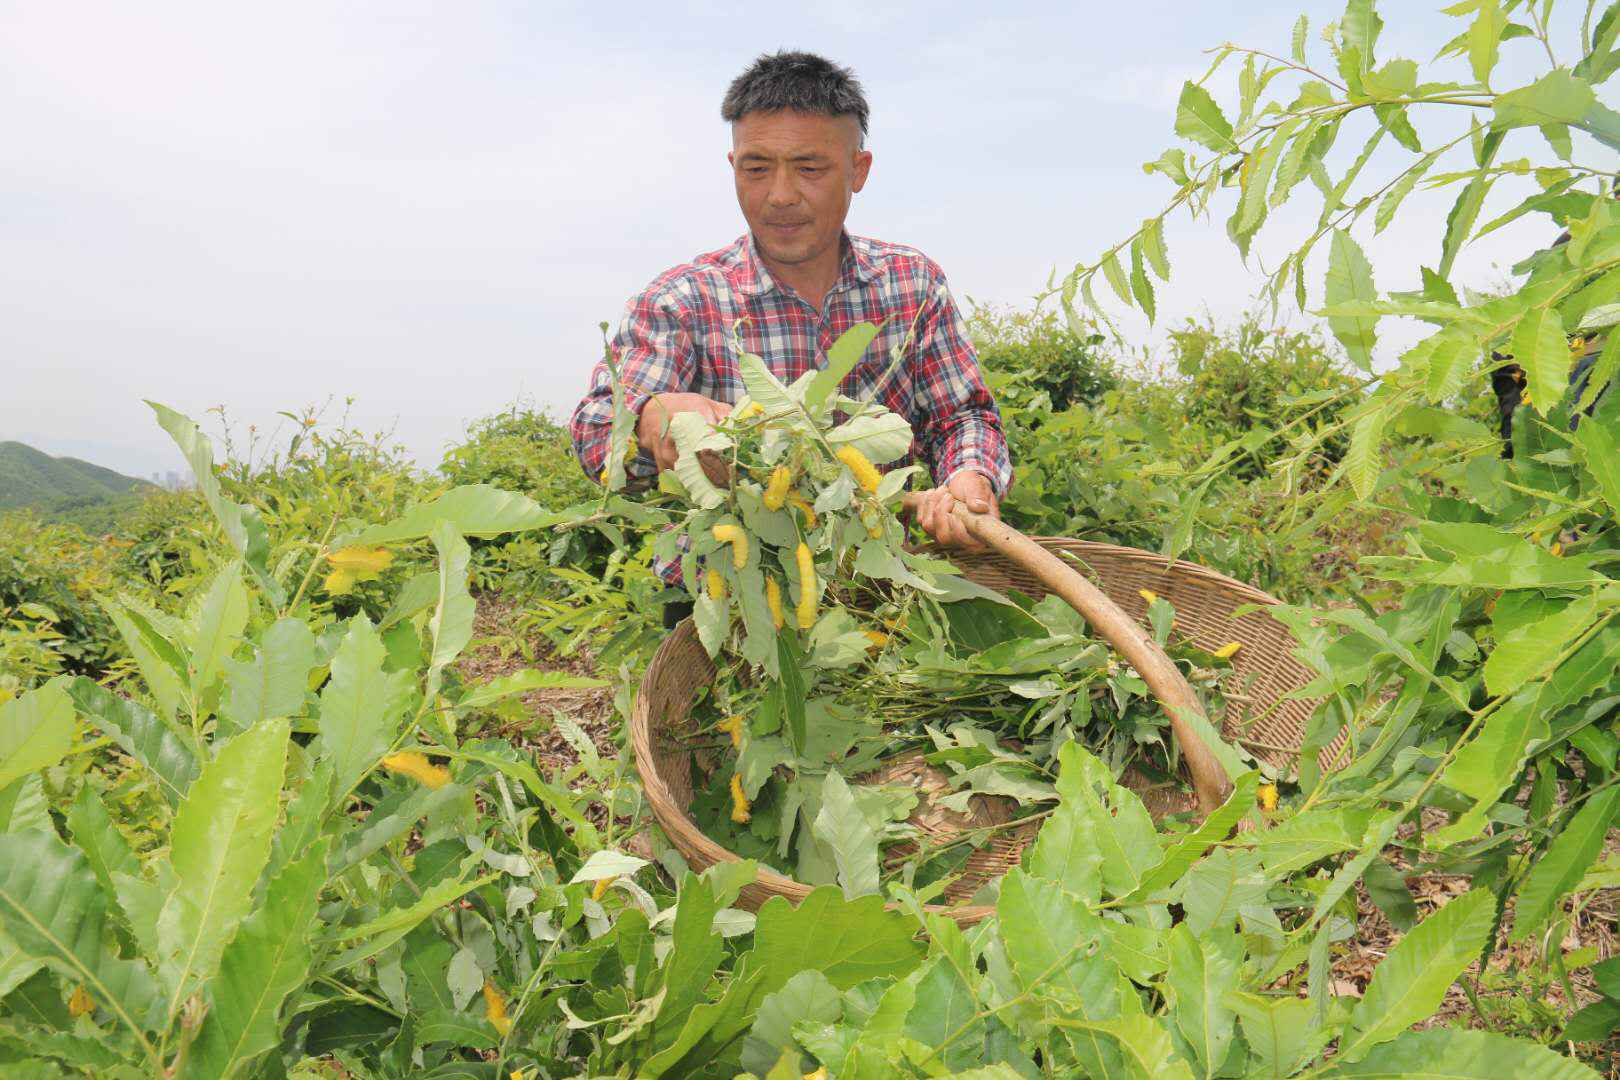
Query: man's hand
x,y
652,429
934,512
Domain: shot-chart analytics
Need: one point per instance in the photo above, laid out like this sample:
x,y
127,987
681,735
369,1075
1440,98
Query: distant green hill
x,y
31,478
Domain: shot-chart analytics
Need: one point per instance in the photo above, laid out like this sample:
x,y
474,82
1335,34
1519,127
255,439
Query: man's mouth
x,y
785,226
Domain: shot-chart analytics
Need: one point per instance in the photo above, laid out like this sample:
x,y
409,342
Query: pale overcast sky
x,y
430,206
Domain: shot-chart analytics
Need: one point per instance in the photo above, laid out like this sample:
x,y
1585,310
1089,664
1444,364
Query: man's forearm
x,y
973,442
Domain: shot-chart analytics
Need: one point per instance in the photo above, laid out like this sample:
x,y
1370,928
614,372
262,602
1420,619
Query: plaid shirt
x,y
677,336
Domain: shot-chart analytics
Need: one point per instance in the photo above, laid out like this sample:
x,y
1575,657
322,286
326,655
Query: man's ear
x,y
863,166
731,158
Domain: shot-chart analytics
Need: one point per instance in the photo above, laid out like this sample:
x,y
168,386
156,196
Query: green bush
x,y
55,571
520,449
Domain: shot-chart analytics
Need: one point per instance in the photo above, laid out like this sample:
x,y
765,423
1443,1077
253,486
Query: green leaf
x,y
375,936
1599,451
1219,887
162,667
1565,862
1364,463
1450,358
789,691
1411,981
1143,1042
842,357
806,996
854,843
1200,119
23,806
1487,765
1360,27
1153,247
1350,280
1527,652
219,842
103,845
267,960
1558,97
1400,190
1464,212
1484,37
1191,846
881,437
523,682
1277,1029
1455,1054
451,626
1541,350
1141,286
848,941
945,1014
52,908
1065,852
360,704
136,731
473,509
36,731
1052,939
1302,27
1387,889
213,634
243,526
692,962
1115,273
274,682
1203,970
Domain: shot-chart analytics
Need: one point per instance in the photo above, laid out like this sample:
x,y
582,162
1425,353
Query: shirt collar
x,y
751,278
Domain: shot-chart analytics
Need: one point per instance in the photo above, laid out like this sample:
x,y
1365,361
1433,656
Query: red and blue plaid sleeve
x,y
654,352
957,423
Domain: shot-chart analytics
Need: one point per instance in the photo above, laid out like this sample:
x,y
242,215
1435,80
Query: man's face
x,y
795,175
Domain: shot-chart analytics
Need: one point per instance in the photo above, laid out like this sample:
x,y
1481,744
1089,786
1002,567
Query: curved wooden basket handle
x,y
1210,782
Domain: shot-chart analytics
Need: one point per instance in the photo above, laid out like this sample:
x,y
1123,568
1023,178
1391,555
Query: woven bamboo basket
x,y
1261,717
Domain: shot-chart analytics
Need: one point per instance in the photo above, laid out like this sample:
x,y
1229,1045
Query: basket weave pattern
x,y
1260,718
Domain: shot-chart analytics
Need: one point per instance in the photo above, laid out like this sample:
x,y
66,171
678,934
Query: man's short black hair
x,y
801,81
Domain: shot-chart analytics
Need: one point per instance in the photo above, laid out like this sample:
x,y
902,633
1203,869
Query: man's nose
x,y
782,191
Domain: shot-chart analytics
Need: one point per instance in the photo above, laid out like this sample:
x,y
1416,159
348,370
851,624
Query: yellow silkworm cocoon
x,y
877,638
797,500
776,491
1268,796
773,600
1229,650
739,801
733,535
717,586
807,588
866,474
495,1009
600,889
1148,594
732,725
417,767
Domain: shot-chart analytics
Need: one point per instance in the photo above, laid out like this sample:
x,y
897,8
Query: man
x,y
795,282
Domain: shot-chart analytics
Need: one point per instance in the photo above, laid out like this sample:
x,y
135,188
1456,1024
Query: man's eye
x,y
811,170
755,170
